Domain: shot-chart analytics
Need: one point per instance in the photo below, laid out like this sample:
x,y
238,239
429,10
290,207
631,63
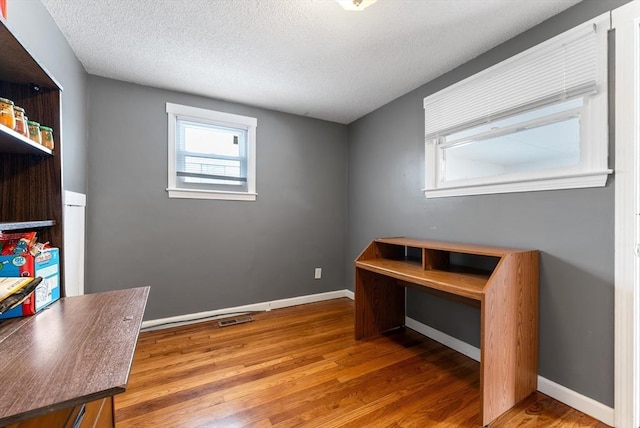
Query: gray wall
x,y
200,255
573,229
35,28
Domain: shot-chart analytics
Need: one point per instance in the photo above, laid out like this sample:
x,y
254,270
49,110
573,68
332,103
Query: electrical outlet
x,y
318,273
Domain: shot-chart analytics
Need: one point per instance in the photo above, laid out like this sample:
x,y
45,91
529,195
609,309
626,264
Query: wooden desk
x,y
69,360
506,292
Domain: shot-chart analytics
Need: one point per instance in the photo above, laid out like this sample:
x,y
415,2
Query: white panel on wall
x,y
74,243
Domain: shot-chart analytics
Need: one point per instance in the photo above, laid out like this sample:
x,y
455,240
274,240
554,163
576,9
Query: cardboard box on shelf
x,y
45,265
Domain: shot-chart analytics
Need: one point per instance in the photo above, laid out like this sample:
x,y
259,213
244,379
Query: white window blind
x,y
560,68
536,121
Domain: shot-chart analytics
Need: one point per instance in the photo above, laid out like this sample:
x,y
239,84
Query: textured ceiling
x,y
307,57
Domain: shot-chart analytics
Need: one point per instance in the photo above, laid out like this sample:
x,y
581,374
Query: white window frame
x,y
592,171
178,111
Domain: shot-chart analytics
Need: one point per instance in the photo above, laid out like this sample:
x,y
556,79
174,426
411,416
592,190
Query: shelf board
x,y
21,225
461,283
12,142
481,250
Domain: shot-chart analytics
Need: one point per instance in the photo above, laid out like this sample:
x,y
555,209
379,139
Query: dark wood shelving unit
x,y
30,174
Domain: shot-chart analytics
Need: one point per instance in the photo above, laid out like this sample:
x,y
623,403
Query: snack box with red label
x,y
45,265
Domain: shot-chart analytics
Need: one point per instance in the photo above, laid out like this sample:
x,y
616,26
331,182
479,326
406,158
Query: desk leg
x,y
380,303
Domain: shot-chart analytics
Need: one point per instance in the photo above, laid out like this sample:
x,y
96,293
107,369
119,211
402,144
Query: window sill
x,y
577,181
209,194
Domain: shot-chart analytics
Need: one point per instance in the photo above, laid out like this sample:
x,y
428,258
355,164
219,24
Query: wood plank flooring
x,y
301,367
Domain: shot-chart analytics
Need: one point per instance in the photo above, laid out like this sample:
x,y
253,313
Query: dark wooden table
x,y
76,351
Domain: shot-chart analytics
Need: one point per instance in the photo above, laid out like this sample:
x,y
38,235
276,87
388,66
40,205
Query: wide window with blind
x,y
211,154
537,121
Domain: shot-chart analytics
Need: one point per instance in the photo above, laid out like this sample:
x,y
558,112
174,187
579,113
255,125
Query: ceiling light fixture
x,y
355,4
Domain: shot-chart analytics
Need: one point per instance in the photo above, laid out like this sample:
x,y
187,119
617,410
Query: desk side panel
x,y
380,303
509,334
369,253
379,250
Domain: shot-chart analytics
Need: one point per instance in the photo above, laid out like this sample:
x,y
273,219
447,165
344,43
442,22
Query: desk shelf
x,y
502,281
459,281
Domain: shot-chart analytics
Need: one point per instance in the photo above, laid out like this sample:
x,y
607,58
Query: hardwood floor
x,y
301,366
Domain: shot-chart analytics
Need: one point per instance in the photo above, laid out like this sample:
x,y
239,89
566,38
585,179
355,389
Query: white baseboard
x,y
578,401
449,341
556,391
254,307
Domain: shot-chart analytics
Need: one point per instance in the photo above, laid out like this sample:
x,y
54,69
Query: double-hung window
x,y
537,121
211,154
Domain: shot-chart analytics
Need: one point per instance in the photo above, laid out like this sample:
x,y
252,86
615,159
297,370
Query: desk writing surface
x,y
77,350
458,283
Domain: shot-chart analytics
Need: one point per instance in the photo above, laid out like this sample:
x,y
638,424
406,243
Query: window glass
x,y
542,139
211,154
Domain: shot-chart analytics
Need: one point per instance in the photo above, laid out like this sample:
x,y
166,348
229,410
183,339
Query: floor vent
x,y
234,321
